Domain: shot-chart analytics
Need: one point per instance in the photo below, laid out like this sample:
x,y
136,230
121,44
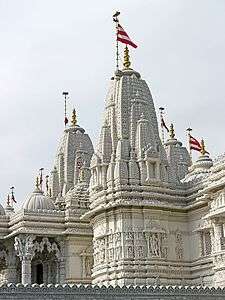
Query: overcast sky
x,y
48,46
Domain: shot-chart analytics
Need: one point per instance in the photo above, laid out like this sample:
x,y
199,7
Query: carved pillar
x,y
11,267
26,270
62,270
62,262
25,250
217,236
45,273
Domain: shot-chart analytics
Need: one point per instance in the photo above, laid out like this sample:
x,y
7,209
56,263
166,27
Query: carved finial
x,y
172,132
203,150
8,200
126,61
37,182
74,118
47,182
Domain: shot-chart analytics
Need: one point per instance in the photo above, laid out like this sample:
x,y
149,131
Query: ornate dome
x,y
38,201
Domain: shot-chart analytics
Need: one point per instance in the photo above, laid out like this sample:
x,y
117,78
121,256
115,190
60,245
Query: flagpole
x,y
189,136
41,178
46,183
116,20
65,94
12,195
117,48
161,110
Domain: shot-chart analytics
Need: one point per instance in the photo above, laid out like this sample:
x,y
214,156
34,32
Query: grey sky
x,y
51,46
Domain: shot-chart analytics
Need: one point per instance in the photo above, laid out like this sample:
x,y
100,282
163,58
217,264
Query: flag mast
x,y
189,130
116,20
161,111
65,94
12,195
41,178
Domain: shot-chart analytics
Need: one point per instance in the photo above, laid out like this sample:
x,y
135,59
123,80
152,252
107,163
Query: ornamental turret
x,y
177,155
75,149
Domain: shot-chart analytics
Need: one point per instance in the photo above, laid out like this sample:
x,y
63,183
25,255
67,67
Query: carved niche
x,y
157,240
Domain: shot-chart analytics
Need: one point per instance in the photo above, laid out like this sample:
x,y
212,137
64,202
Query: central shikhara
x,y
133,212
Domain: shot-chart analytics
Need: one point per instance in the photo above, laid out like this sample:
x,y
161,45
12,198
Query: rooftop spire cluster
x,y
124,213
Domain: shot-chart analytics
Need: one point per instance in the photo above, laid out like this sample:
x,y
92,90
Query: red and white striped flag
x,y
194,144
123,37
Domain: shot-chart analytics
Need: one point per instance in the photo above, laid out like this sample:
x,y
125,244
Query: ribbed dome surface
x,y
38,201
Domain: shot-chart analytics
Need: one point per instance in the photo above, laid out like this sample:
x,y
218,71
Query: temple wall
x,y
78,258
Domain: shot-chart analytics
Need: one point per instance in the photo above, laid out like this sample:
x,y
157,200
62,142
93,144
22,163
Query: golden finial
x,y
126,62
172,132
203,150
74,118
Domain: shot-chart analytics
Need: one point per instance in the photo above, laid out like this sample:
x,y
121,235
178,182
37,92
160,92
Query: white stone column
x,y
62,270
11,274
26,270
24,249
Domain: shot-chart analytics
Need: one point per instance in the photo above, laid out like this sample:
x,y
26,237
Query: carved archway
x,y
45,260
34,251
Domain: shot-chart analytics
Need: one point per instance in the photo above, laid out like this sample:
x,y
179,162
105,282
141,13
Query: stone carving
x,y
24,246
206,244
88,265
157,244
51,247
179,250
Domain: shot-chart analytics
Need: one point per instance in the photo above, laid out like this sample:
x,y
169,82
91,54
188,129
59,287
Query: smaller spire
x,y
74,118
172,132
126,61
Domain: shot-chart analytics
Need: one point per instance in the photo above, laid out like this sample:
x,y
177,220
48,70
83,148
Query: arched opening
x,y
39,273
44,268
